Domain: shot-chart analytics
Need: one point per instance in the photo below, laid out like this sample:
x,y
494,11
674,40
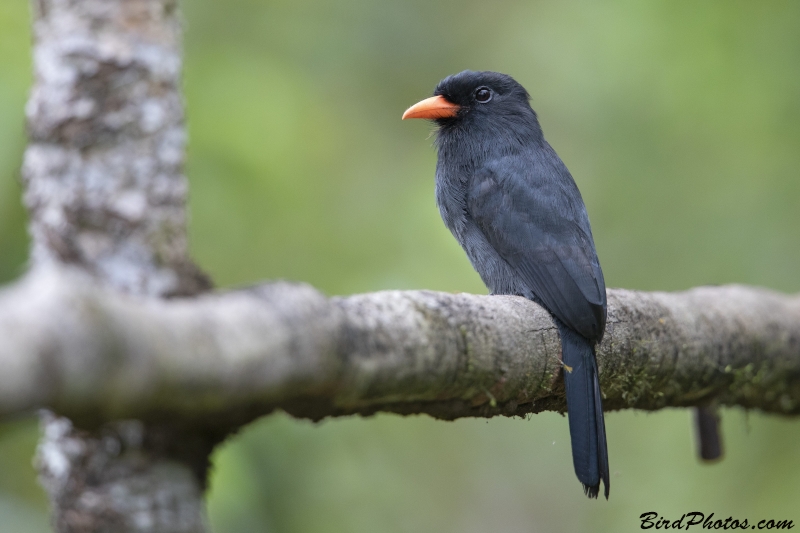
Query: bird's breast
x,y
451,197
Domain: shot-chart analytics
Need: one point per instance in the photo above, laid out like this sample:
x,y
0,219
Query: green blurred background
x,y
680,121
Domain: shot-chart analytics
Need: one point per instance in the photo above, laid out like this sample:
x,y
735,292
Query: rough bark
x,y
104,184
103,171
218,360
111,480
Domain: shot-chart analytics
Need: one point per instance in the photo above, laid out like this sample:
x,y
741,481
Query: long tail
x,y
587,428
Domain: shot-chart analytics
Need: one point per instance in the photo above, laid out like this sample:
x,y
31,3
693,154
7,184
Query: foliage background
x,y
681,124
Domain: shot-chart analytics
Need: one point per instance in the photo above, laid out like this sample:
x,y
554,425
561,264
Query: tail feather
x,y
602,445
585,411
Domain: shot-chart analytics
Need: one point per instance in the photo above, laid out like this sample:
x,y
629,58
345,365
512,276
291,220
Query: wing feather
x,y
543,233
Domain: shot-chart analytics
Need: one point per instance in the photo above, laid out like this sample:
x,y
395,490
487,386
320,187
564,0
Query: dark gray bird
x,y
513,206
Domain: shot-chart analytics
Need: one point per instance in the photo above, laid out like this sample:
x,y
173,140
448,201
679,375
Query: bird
x,y
511,203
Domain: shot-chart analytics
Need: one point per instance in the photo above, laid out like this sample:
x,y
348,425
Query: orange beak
x,y
433,107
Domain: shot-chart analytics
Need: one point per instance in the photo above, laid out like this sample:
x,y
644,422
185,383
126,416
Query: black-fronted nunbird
x,y
513,206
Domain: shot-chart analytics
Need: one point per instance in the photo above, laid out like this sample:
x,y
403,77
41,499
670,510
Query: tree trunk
x,y
106,192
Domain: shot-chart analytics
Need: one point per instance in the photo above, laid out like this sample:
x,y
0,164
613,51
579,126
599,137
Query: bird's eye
x,y
483,95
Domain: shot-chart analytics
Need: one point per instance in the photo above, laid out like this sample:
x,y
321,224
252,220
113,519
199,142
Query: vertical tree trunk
x,y
104,184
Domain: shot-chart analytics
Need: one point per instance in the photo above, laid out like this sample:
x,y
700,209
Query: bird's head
x,y
477,98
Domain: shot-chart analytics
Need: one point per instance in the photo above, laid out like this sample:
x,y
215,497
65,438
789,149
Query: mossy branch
x,y
221,359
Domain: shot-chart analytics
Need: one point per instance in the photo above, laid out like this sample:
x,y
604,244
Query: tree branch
x,y
219,360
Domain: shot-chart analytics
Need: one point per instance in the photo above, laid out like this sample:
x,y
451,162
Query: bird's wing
x,y
540,228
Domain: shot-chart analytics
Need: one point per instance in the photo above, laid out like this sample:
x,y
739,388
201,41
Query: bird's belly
x,y
495,272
